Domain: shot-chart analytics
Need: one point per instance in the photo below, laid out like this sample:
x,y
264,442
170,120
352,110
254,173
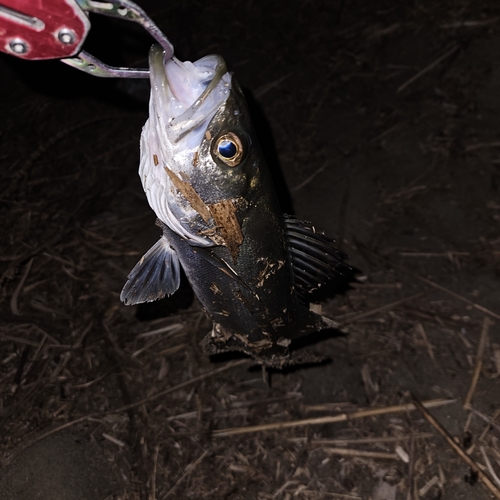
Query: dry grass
x,y
178,425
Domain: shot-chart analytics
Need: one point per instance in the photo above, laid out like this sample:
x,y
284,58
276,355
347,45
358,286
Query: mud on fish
x,y
205,177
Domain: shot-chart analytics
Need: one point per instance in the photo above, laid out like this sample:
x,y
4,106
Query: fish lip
x,y
220,71
180,125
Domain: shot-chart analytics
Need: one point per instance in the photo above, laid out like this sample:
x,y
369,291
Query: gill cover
x,y
184,99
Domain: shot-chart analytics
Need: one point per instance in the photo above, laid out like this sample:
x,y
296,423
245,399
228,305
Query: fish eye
x,y
229,149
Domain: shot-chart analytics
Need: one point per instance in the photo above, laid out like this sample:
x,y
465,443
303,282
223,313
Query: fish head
x,y
229,154
198,148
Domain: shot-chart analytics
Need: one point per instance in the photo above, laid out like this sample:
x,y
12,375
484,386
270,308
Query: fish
x,y
252,267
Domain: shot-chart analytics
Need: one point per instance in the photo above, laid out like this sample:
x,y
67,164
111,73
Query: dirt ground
x,y
383,119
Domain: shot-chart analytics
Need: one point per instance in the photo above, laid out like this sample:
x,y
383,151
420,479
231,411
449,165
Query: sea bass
x,y
205,177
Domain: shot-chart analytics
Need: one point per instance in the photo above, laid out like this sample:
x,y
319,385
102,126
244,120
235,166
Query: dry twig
x,y
479,362
489,466
153,476
320,494
349,452
420,328
411,470
384,308
189,470
15,296
371,412
427,68
460,452
434,285
368,440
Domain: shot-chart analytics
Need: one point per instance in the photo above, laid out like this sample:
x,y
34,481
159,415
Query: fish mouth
x,y
186,95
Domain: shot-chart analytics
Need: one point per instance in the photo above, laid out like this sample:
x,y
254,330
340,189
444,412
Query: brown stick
x,y
420,328
489,420
435,254
364,286
386,307
153,477
435,285
489,466
411,471
482,145
427,68
371,412
469,24
312,176
461,453
321,494
369,440
15,296
349,452
189,470
479,362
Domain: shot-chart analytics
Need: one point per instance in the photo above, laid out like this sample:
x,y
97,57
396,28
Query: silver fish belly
x,y
204,175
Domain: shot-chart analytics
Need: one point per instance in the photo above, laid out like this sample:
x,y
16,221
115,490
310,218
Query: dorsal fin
x,y
156,275
315,261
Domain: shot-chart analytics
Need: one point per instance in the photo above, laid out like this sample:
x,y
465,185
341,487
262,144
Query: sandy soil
x,y
382,119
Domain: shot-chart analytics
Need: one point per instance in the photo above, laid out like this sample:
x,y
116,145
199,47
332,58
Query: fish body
x,y
205,177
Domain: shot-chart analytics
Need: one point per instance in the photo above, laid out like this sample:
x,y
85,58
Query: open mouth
x,y
187,95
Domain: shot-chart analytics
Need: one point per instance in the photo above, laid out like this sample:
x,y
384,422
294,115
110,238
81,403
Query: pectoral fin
x,y
156,275
315,261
